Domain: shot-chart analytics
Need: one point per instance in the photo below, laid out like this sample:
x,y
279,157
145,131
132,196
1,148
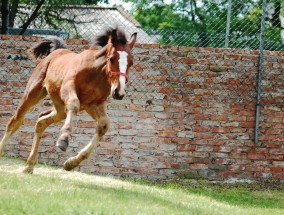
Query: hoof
x,y
28,170
62,144
70,164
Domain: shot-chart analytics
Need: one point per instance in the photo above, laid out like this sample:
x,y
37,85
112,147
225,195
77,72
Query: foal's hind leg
x,y
45,119
33,94
99,114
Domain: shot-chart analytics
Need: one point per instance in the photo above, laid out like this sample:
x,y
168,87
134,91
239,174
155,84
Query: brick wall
x,y
190,112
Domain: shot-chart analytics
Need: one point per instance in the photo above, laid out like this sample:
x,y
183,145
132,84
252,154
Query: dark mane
x,y
118,37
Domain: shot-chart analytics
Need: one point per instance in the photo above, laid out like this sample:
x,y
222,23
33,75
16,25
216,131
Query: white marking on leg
x,y
4,141
122,68
67,127
87,150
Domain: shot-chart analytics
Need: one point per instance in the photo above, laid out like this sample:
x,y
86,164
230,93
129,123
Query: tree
x,y
4,17
32,17
203,22
37,10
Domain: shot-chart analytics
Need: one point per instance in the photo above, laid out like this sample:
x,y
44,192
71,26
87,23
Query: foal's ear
x,y
132,40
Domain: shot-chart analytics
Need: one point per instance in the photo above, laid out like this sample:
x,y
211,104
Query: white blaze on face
x,y
122,68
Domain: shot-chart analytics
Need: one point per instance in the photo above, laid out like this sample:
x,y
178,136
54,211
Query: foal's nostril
x,y
116,94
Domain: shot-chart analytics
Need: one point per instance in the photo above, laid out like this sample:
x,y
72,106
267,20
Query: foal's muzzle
x,y
116,95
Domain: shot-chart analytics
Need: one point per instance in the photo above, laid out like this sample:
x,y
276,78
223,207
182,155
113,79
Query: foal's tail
x,y
46,46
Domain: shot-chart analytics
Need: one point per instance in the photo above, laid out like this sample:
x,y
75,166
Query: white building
x,y
77,21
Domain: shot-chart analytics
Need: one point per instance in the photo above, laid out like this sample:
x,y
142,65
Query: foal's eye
x,y
111,60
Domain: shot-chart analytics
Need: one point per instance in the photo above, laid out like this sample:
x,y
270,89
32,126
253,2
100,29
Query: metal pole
x,y
228,24
260,69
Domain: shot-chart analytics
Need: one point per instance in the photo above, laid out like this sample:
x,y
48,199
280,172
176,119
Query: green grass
x,y
54,191
265,199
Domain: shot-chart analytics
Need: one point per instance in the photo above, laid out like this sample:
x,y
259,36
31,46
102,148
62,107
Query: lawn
x,y
54,191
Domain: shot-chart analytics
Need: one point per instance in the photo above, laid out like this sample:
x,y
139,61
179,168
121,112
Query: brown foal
x,y
74,82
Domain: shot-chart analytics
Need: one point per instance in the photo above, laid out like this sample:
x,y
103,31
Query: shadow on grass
x,y
238,195
77,195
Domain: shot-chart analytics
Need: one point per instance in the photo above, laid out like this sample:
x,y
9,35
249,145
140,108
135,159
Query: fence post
x,y
260,69
228,24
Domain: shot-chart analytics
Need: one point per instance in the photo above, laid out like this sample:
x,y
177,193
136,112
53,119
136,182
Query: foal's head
x,y
118,59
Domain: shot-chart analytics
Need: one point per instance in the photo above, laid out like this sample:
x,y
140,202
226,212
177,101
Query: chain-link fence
x,y
219,23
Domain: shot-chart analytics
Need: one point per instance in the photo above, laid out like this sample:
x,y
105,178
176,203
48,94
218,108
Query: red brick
x,y
186,148
238,130
181,140
194,111
219,118
232,57
201,117
188,61
227,174
175,165
150,46
217,142
250,57
276,151
137,108
198,166
237,106
278,175
247,124
166,90
247,112
236,168
238,118
276,157
204,136
6,101
271,145
256,156
276,169
84,124
200,129
145,115
165,134
220,130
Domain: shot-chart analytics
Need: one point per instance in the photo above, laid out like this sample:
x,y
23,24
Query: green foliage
x,y
204,22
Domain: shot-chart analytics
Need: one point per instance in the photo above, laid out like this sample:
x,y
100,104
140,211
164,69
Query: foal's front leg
x,y
97,113
72,104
